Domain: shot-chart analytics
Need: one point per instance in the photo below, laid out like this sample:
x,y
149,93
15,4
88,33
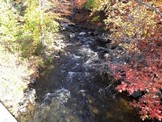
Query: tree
x,y
135,26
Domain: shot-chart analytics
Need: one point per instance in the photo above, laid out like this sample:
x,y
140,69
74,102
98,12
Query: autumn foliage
x,y
79,3
144,75
138,29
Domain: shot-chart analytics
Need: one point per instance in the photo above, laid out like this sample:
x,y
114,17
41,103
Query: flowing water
x,y
71,90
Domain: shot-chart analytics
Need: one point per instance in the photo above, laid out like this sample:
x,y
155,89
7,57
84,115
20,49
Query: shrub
x,y
135,27
145,76
127,21
9,28
26,26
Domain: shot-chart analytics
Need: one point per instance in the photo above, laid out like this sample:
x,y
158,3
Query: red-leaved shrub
x,y
144,75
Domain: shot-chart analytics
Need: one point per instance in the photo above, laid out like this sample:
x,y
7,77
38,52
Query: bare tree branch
x,y
151,7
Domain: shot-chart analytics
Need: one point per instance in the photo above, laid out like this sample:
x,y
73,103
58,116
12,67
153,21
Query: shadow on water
x,y
70,89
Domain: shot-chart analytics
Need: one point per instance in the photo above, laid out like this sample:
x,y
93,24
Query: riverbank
x,y
12,76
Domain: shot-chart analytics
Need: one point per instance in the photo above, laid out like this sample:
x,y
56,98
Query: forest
x,y
31,32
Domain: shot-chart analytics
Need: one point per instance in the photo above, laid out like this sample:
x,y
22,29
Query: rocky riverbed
x,y
77,86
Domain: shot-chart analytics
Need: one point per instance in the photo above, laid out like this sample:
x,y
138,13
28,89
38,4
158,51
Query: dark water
x,y
71,90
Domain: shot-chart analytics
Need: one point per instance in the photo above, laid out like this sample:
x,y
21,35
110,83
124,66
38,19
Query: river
x,y
71,88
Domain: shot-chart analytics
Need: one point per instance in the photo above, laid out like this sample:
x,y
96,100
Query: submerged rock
x,y
29,99
137,94
72,35
82,33
60,96
104,38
